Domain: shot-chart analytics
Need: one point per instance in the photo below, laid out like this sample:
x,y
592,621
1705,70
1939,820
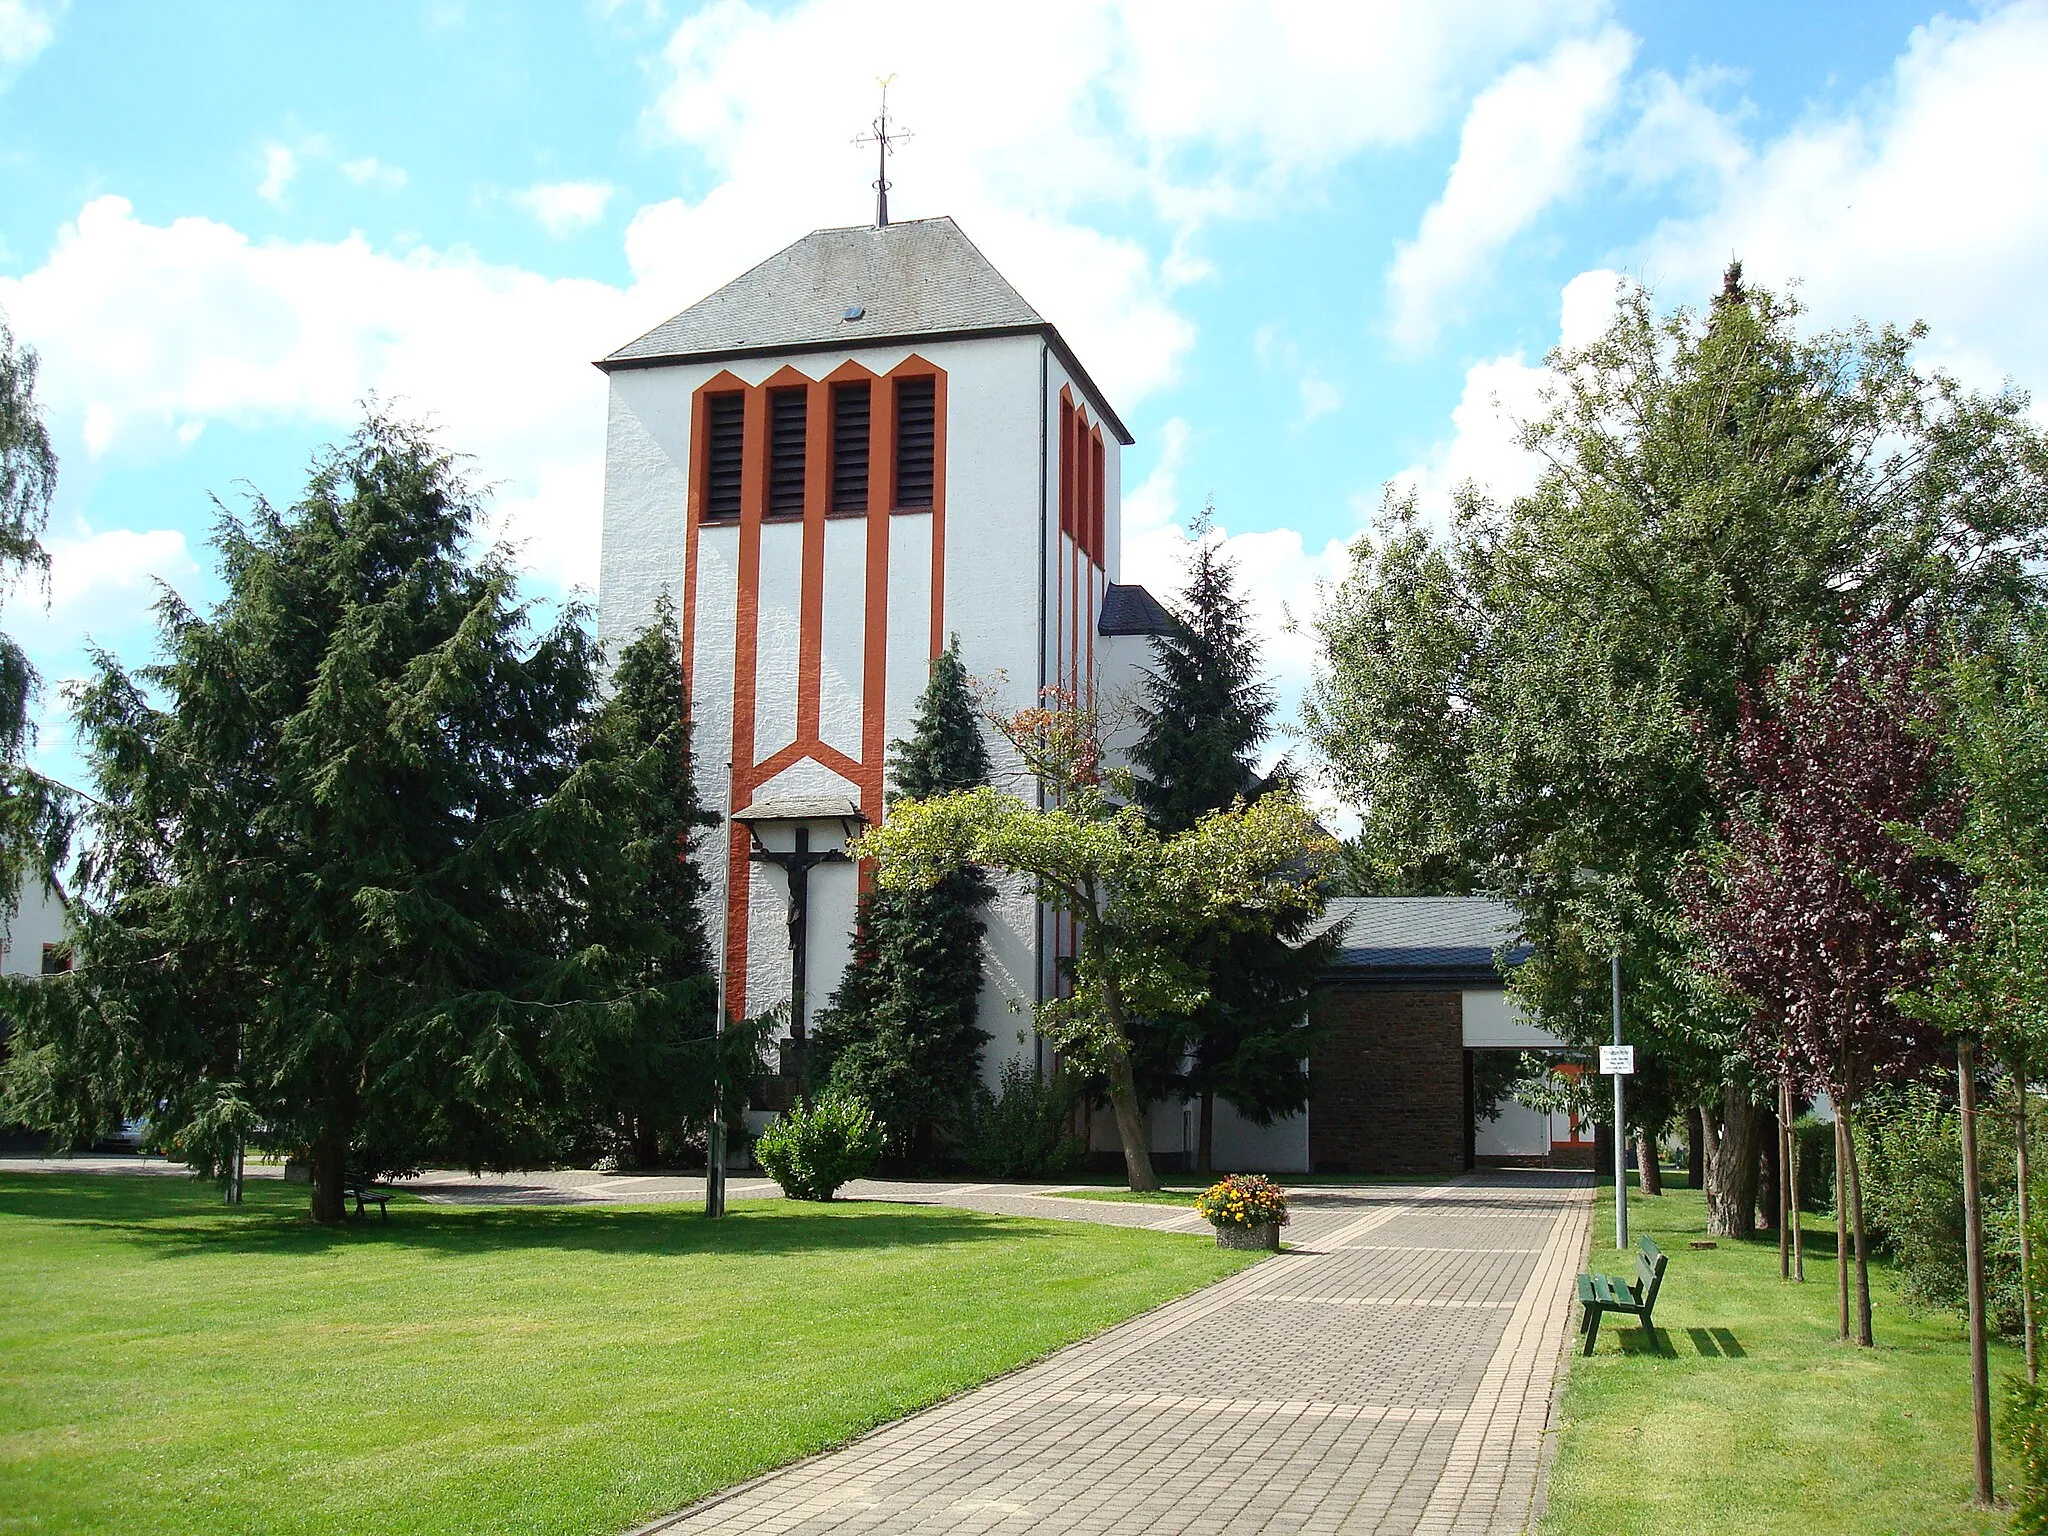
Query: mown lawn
x,y
167,1366
1752,1418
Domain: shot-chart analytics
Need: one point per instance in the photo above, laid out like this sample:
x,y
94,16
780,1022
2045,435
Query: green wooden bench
x,y
1601,1294
365,1192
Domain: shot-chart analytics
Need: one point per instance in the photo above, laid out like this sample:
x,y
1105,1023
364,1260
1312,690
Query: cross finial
x,y
885,139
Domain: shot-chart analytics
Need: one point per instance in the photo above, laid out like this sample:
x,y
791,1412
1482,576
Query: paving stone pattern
x,y
1393,1374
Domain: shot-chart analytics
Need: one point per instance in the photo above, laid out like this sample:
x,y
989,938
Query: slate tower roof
x,y
921,280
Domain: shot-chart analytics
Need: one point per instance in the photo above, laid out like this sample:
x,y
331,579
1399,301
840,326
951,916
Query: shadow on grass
x,y
1716,1342
176,1218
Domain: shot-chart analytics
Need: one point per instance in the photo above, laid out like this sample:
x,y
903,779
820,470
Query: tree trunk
x,y
1798,1221
1695,1149
2026,1227
1730,1146
1787,1199
329,1170
1857,1229
646,1143
1973,1252
1131,1127
1649,1174
1768,1193
1841,1228
1205,1140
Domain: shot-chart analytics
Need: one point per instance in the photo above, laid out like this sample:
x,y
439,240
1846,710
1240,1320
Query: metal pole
x,y
714,1138
1620,1126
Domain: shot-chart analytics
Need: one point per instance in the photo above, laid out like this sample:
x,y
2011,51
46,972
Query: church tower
x,y
863,446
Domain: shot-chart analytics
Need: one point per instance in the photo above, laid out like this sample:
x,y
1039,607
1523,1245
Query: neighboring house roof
x,y
922,280
1443,939
1128,609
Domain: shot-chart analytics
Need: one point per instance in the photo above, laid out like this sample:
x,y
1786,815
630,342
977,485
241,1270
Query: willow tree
x,y
1535,694
1093,856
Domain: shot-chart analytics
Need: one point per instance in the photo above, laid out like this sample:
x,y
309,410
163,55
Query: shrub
x,y
1816,1139
1243,1200
1024,1130
2023,1430
812,1150
1909,1147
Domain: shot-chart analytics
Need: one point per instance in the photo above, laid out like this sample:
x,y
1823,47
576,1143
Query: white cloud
x,y
1500,394
1928,199
1319,397
564,207
1277,571
150,331
280,166
26,29
1525,144
1191,112
372,172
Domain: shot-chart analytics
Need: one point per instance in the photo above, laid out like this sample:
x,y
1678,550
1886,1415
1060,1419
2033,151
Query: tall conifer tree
x,y
901,1031
650,1078
350,829
1205,711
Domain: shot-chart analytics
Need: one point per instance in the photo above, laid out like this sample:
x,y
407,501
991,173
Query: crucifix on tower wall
x,y
796,863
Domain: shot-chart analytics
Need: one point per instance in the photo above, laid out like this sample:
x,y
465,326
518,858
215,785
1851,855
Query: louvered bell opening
x,y
915,440
786,419
850,447
725,419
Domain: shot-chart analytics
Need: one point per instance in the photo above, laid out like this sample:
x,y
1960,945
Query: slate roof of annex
x,y
919,280
1448,938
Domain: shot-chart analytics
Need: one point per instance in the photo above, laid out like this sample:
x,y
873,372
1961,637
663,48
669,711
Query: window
x,y
725,433
1097,509
850,447
788,413
56,960
916,424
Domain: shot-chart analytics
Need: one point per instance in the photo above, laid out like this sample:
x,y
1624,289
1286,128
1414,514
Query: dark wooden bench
x,y
1601,1294
365,1192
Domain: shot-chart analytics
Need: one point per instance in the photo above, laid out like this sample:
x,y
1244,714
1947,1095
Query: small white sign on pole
x,y
1617,1060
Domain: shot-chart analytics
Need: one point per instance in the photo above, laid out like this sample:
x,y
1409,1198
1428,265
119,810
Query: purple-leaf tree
x,y
1817,904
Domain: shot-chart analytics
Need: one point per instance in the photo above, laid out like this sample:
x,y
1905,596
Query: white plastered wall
x,y
1493,1021
992,543
39,918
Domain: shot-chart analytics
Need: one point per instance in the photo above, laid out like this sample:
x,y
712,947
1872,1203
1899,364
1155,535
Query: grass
x,y
169,1366
1751,1417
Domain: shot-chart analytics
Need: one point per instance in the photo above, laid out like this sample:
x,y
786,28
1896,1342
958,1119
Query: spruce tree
x,y
348,834
649,1079
902,1032
1205,711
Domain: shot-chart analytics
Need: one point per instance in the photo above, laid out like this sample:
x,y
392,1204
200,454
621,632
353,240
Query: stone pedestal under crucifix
x,y
796,863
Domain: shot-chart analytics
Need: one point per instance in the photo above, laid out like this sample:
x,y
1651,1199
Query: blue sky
x,y
1308,249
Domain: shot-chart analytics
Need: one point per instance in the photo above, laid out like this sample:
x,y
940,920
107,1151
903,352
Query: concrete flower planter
x,y
1266,1237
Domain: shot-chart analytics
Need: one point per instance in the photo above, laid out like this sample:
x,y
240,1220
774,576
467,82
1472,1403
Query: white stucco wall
x,y
1001,485
39,918
1492,1020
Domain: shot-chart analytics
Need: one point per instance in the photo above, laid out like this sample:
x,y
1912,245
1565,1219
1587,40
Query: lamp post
x,y
1620,1122
714,1137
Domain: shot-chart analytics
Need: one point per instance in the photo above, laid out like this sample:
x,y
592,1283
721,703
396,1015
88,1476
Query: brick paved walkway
x,y
1393,1375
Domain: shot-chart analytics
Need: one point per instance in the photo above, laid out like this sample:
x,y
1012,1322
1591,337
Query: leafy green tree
x,y
36,816
1204,712
346,836
645,1084
1535,694
901,1033
1093,856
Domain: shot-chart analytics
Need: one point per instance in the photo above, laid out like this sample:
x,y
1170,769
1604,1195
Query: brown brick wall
x,y
1387,1082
